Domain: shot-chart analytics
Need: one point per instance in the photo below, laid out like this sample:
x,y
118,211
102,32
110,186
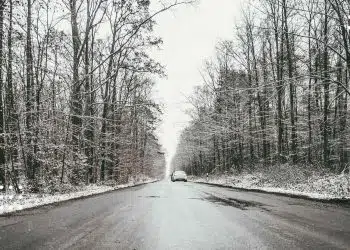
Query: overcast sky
x,y
190,34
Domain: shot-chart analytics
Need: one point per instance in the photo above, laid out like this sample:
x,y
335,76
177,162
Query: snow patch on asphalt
x,y
316,187
11,202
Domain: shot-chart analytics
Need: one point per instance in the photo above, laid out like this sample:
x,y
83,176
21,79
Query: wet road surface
x,y
167,215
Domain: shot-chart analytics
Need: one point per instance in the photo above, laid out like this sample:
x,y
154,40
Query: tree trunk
x,y
291,86
31,165
2,128
76,100
326,151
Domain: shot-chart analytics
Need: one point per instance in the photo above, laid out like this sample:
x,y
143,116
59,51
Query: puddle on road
x,y
201,199
295,203
226,202
150,196
153,196
231,202
240,204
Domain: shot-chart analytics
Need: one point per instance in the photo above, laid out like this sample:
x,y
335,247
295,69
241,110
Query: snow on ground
x,y
11,202
329,186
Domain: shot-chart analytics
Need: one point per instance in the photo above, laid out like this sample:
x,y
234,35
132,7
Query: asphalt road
x,y
167,215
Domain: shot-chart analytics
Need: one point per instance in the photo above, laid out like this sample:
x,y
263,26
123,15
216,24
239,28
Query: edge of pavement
x,y
338,201
60,202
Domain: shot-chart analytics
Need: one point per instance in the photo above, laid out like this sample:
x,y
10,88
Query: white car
x,y
179,176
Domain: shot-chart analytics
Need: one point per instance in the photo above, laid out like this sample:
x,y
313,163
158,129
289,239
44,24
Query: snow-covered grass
x,y
11,202
287,179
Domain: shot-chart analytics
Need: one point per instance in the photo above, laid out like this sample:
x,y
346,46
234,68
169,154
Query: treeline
x,y
277,93
75,101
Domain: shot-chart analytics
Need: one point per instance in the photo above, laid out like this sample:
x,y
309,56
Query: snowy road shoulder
x,y
330,188
10,203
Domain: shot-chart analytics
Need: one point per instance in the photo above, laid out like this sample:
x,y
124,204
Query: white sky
x,y
190,34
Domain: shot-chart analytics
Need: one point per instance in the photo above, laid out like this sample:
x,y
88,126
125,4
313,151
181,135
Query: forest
x,y
276,93
76,84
